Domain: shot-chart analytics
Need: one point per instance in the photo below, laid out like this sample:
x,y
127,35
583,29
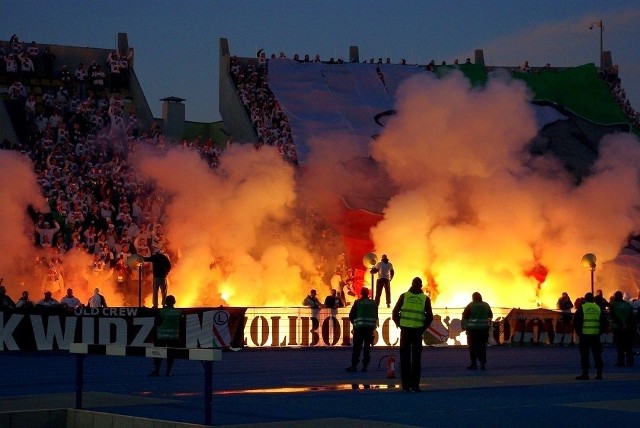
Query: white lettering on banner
x,y
107,312
88,326
146,325
104,331
7,341
199,334
44,340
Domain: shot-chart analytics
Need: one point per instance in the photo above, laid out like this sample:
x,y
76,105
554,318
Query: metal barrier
x,y
207,356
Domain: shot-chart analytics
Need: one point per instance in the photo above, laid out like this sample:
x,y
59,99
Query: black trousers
x,y
362,339
623,339
410,356
157,362
477,341
590,344
383,283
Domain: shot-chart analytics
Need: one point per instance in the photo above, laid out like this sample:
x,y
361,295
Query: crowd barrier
x,y
41,329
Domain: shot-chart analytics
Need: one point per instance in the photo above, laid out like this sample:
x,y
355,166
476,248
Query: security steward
x,y
413,314
364,317
588,321
476,320
167,333
624,329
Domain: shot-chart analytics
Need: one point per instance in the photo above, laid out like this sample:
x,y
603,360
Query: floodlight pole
x,y
599,24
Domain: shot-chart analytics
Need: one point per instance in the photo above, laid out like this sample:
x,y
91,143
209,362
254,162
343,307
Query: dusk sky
x,y
177,43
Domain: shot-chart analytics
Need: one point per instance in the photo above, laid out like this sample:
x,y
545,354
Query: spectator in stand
x,y
97,300
66,78
48,301
70,301
97,80
565,305
601,301
47,232
81,77
11,67
5,301
312,300
332,301
114,72
24,301
34,53
27,68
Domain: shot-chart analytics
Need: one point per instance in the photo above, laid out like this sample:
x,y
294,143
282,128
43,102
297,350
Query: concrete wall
x,y
72,55
72,418
6,127
235,117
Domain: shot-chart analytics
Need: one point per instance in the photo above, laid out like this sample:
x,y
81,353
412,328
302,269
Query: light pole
x,y
589,261
369,260
135,261
599,24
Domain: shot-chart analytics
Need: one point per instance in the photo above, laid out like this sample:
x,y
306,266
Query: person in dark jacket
x,y
167,333
413,314
476,320
161,267
364,317
624,329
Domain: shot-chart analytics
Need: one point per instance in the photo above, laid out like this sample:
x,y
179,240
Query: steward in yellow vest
x,y
413,314
476,320
587,321
364,317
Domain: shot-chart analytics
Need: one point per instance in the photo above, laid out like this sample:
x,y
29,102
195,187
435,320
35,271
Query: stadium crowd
x,y
79,132
79,138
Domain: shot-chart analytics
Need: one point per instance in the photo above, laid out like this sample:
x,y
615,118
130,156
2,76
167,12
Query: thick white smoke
x,y
233,230
475,211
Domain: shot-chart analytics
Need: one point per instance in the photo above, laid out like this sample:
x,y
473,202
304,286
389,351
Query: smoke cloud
x,y
234,231
19,190
475,212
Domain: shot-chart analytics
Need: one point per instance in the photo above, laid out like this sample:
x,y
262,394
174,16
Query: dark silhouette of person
x,y
413,314
364,317
167,333
476,320
161,265
385,272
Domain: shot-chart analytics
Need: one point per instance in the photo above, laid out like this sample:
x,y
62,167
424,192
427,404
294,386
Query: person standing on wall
x,y
161,265
413,314
476,320
364,317
385,272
